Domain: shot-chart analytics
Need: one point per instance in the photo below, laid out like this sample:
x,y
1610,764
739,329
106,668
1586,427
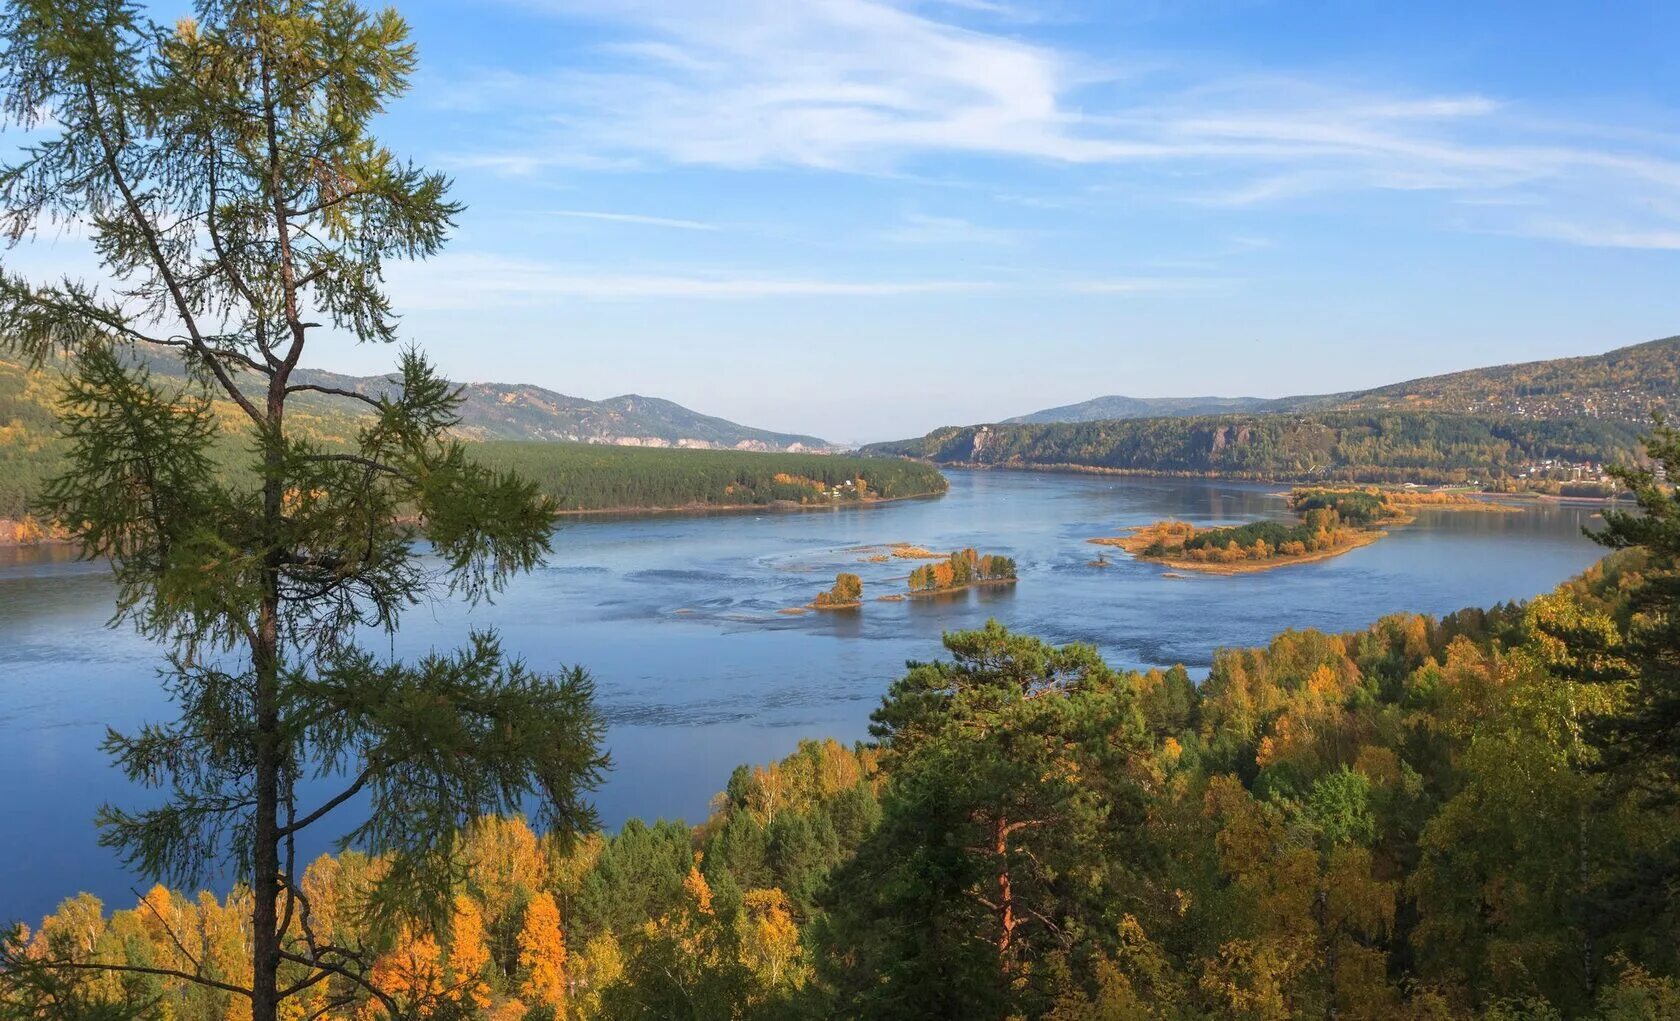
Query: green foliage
x,y
599,477
1339,805
1009,797
1272,533
1390,446
961,569
575,476
1358,507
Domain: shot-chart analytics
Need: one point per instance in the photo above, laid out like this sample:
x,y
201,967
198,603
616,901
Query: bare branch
x,y
366,462
332,803
326,204
139,970
334,391
168,929
340,970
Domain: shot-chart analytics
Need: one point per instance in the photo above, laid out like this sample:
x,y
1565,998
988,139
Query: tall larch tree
x,y
240,208
542,954
469,954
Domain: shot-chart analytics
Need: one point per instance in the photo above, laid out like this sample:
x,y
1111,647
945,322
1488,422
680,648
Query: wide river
x,y
677,619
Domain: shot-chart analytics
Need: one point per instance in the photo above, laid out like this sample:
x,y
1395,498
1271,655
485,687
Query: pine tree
x,y
1009,797
1641,741
1648,733
239,206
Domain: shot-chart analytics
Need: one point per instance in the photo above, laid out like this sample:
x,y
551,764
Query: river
x,y
677,618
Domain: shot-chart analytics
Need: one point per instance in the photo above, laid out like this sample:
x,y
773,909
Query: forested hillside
x,y
1624,385
1404,822
1119,406
1354,446
520,411
488,410
588,476
579,476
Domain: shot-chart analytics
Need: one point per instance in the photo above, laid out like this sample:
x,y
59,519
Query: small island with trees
x,y
962,570
1331,522
846,594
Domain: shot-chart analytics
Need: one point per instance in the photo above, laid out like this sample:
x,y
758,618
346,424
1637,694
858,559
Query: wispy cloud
x,y
634,218
868,86
1605,235
1136,285
921,229
474,280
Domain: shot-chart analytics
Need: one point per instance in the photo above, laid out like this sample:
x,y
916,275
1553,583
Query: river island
x,y
1330,522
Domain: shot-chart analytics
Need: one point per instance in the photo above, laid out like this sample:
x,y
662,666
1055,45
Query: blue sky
x,y
866,218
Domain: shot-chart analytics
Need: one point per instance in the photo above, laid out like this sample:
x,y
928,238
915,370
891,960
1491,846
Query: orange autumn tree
x,y
542,953
469,954
410,974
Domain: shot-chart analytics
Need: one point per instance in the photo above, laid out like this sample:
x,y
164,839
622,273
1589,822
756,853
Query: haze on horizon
x,y
862,219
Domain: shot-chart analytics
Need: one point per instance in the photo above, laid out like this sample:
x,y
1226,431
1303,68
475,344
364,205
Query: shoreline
x,y
702,509
982,583
1259,480
9,540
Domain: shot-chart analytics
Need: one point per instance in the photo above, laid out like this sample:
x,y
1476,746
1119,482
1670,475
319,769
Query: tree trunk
x,y
1006,900
265,661
1327,941
1589,953
265,865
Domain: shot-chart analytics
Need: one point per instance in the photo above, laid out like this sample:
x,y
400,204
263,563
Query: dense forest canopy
x,y
1344,446
583,476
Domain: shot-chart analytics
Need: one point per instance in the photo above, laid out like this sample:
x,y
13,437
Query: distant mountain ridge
x,y
1623,385
1115,406
522,411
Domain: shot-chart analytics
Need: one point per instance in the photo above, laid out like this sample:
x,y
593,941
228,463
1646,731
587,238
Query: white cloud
x,y
1598,235
869,85
476,280
473,280
635,218
1135,285
920,229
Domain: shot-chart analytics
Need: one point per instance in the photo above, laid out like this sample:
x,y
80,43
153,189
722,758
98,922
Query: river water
x,y
677,618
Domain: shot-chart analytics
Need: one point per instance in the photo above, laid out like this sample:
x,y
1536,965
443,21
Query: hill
x,y
492,411
1623,385
754,468
1117,406
1363,446
520,411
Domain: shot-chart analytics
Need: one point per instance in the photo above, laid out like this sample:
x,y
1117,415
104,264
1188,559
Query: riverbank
x,y
701,509
954,589
15,533
1447,501
1478,496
